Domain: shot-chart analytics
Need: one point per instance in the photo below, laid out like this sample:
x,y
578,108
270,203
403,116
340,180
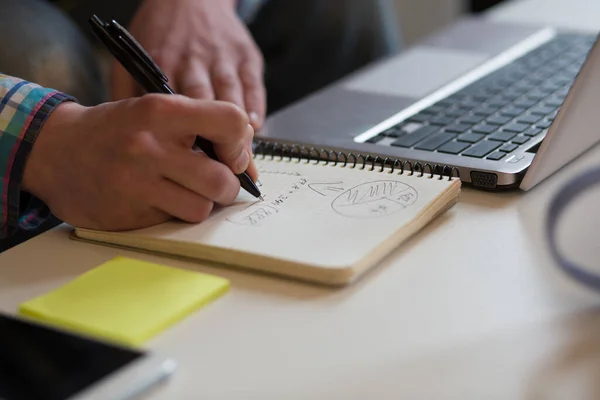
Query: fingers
x,y
226,83
251,169
194,81
242,86
180,202
179,119
237,155
200,175
177,116
254,92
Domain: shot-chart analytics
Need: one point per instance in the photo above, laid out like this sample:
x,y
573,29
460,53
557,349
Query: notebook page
x,y
323,215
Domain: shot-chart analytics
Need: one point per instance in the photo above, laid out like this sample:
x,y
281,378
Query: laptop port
x,y
484,179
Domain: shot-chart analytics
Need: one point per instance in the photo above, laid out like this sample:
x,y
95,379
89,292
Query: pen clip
x,y
138,50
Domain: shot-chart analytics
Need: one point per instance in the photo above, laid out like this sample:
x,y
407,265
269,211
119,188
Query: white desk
x,y
472,308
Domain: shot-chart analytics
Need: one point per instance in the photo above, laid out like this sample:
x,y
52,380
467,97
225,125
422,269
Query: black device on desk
x,y
40,362
145,71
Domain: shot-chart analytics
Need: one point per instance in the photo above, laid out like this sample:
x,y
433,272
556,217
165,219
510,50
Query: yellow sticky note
x,y
125,300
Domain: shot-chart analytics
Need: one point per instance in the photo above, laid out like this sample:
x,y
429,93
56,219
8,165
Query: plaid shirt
x,y
24,107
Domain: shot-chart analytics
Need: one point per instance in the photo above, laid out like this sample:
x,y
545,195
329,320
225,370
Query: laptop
x,y
503,106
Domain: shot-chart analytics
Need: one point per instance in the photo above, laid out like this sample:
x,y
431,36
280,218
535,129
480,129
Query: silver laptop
x,y
503,105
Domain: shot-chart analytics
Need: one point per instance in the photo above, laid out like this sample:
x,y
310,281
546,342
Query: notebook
x,y
326,217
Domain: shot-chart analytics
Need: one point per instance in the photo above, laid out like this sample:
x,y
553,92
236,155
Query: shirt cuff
x,y
24,109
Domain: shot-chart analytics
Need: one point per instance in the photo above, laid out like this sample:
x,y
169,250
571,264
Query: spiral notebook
x,y
323,219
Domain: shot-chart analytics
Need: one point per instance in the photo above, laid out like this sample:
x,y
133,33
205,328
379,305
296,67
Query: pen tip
x,y
261,198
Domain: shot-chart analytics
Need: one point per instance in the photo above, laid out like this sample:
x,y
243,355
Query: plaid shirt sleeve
x,y
24,107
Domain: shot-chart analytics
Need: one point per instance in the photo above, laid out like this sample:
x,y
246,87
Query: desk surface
x,y
473,307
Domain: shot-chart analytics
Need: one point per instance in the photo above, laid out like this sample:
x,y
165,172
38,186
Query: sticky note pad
x,y
125,300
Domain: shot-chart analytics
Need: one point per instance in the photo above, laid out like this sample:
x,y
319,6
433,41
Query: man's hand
x,y
130,164
205,51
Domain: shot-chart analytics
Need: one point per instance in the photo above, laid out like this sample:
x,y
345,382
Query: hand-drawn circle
x,y
375,199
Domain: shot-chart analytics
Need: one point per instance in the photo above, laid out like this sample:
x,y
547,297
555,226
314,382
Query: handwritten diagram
x,y
259,211
367,200
253,215
374,199
327,189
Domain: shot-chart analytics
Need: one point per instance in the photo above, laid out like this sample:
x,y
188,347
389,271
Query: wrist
x,y
38,171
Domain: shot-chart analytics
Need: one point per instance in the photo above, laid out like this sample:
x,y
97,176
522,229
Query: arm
x,y
24,107
119,165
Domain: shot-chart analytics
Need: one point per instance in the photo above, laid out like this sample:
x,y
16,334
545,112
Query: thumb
x,y
236,155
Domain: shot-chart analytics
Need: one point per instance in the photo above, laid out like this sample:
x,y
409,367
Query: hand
x,y
205,51
130,164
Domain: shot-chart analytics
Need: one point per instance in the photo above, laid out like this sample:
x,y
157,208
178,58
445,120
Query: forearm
x,y
24,107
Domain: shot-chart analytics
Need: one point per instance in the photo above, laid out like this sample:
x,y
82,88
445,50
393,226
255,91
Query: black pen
x,y
145,71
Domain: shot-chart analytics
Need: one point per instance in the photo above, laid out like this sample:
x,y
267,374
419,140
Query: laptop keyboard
x,y
497,114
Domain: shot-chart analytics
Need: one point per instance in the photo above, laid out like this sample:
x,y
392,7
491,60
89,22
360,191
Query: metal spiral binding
x,y
299,153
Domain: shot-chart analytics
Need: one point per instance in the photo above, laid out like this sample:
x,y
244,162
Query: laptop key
x,y
512,111
453,147
444,103
457,97
529,118
481,149
532,132
499,103
497,155
411,127
520,139
515,127
550,86
413,138
374,139
553,102
435,141
502,136
484,110
485,128
552,115
434,109
482,94
535,79
542,110
536,95
498,120
457,128
524,85
469,103
525,103
454,112
561,79
516,75
520,90
511,94
392,132
546,89
471,119
419,118
443,120
544,124
470,137
508,147
559,97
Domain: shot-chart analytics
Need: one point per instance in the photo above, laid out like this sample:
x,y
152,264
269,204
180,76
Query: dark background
x,y
480,5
